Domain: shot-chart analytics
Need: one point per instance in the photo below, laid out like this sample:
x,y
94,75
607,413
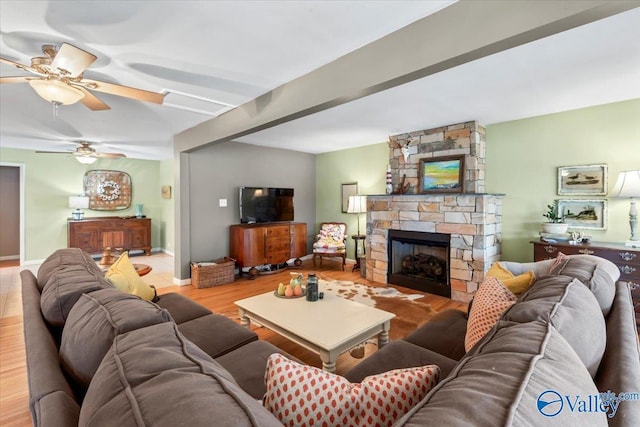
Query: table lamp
x,y
357,205
78,203
628,187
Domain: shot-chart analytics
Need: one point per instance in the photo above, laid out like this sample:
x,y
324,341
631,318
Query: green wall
x,y
365,165
523,157
166,207
51,178
522,161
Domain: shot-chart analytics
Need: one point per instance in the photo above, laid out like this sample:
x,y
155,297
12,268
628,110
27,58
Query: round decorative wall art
x,y
108,190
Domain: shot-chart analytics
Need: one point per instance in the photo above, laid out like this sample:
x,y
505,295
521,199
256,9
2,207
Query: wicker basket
x,y
205,274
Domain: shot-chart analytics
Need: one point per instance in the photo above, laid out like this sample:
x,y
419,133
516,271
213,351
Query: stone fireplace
x,y
467,225
419,260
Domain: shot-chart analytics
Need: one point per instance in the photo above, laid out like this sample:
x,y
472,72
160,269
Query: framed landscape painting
x,y
441,175
584,213
589,180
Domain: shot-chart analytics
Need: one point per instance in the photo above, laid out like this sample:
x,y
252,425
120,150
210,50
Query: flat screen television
x,y
266,204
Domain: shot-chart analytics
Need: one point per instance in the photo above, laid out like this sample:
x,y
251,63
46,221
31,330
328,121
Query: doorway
x,y
12,213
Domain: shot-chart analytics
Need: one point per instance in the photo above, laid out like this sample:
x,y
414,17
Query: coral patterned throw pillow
x,y
490,301
300,395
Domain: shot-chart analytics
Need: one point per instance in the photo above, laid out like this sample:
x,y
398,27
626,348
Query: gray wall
x,y
216,172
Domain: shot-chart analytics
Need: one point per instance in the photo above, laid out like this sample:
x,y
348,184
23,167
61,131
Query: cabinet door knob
x,y
627,256
550,249
626,269
586,251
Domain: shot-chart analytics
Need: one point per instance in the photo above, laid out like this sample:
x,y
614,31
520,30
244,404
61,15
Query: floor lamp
x,y
357,205
628,187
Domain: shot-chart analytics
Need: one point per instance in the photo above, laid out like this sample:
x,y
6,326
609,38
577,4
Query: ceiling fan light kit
x,y
85,160
56,91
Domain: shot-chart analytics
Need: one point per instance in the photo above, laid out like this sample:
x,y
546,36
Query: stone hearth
x,y
474,222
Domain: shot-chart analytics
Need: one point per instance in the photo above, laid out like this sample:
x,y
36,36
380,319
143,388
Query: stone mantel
x,y
474,221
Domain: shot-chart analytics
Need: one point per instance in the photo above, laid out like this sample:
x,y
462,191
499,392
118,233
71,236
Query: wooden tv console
x,y
272,243
93,235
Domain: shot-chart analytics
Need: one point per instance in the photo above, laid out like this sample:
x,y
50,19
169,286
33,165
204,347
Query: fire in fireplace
x,y
419,260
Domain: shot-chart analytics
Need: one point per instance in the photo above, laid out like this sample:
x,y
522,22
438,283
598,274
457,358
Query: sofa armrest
x,y
444,334
51,399
619,370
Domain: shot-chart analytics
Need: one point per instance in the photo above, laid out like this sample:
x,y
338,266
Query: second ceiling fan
x,y
59,80
86,154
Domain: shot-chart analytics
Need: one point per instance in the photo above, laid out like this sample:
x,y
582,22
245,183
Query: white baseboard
x,y
9,257
181,282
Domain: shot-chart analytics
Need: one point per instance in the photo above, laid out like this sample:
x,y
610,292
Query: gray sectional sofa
x,y
96,356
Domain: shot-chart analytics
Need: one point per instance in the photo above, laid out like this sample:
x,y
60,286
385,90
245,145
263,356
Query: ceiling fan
x,y
87,154
59,79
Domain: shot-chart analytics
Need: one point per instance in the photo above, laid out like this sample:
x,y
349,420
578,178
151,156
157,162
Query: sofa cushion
x,y
500,381
216,334
595,273
63,289
182,309
396,355
572,310
248,364
123,275
154,376
63,258
303,395
444,334
489,302
93,323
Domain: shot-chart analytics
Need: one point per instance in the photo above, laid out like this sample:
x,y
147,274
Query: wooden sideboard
x,y
92,235
267,243
626,258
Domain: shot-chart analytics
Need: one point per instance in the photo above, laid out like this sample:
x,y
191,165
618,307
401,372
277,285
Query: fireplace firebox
x,y
419,260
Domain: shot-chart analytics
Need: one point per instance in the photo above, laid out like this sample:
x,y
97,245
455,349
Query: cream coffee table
x,y
328,327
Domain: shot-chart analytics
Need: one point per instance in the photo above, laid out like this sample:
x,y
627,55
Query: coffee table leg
x,y
244,320
328,362
383,337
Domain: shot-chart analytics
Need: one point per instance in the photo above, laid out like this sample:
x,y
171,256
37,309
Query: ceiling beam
x,y
461,33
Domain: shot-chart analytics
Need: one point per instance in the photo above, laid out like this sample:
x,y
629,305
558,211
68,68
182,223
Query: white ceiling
x,y
232,52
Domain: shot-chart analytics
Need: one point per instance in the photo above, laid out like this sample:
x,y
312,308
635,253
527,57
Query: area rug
x,y
410,313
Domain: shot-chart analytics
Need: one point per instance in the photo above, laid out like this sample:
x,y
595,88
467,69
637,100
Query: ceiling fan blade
x,y
91,101
109,155
17,65
71,61
125,91
55,152
23,79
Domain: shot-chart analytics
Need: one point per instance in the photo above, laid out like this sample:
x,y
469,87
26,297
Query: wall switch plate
x,y
222,203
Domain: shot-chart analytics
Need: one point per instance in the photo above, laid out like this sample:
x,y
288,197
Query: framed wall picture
x,y
590,214
441,175
350,189
589,180
165,191
108,190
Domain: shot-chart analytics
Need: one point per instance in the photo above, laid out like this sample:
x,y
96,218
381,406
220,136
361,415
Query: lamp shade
x,y
56,91
78,202
357,204
627,185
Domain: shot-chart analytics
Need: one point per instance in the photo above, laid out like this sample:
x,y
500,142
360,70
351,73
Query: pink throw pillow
x,y
490,301
300,395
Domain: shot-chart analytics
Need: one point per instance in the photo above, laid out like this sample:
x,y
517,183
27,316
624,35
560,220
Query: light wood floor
x,y
14,409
